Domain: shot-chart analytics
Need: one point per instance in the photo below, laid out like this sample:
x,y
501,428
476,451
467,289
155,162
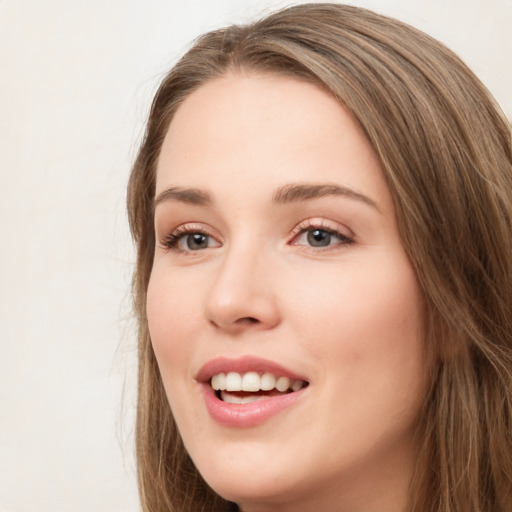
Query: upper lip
x,y
243,365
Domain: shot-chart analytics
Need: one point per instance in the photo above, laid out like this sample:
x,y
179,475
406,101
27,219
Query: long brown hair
x,y
446,152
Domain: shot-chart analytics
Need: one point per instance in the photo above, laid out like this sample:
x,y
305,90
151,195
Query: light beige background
x,y
76,78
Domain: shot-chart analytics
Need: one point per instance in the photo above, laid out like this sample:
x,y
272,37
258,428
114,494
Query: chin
x,y
260,489
252,477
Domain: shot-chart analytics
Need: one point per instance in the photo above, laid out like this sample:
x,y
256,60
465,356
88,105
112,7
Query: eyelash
x,y
172,240
314,225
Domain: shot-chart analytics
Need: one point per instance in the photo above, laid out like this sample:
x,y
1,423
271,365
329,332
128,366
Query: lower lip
x,y
247,415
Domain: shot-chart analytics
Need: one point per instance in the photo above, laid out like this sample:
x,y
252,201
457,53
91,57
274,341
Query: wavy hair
x,y
446,152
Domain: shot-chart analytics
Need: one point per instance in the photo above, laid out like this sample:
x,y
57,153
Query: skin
x,y
346,316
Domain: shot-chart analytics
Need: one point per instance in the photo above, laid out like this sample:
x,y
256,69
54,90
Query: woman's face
x,y
279,275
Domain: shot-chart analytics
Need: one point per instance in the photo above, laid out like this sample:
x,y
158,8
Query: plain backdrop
x,y
76,79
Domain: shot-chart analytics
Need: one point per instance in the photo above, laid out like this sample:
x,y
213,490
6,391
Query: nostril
x,y
247,320
240,322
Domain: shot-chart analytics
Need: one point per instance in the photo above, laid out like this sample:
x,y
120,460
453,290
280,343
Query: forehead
x,y
242,107
265,128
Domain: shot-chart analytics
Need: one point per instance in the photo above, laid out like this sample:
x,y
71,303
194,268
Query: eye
x,y
186,239
194,241
319,236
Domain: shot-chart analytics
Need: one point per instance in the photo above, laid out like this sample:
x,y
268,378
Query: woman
x,y
322,212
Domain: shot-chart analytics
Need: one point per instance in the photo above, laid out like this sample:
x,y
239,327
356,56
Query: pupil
x,y
197,241
319,238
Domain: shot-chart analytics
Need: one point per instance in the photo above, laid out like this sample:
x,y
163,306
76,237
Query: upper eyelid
x,y
172,220
304,225
344,234
184,229
192,227
324,224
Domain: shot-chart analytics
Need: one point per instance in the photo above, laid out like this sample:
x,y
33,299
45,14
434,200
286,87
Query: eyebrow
x,y
300,192
290,193
184,195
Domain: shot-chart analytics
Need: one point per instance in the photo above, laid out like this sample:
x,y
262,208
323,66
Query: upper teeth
x,y
252,381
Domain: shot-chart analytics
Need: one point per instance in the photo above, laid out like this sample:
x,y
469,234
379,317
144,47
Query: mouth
x,y
244,388
248,391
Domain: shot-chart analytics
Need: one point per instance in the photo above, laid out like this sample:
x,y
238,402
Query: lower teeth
x,y
232,398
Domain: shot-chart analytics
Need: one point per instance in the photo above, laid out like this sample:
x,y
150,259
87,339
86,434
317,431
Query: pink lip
x,y
247,415
253,413
243,365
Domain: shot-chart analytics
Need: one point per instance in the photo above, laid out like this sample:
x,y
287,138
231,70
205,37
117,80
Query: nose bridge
x,y
242,294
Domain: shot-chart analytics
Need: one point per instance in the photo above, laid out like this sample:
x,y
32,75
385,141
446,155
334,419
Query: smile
x,y
252,381
238,397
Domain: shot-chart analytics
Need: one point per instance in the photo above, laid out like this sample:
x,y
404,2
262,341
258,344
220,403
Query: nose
x,y
242,296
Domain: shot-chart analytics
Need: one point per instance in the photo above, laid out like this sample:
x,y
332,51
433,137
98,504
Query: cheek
x,y
172,315
365,330
367,319
172,312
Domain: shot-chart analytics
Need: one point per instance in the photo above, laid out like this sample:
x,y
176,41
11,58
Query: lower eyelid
x,y
340,238
173,239
322,225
